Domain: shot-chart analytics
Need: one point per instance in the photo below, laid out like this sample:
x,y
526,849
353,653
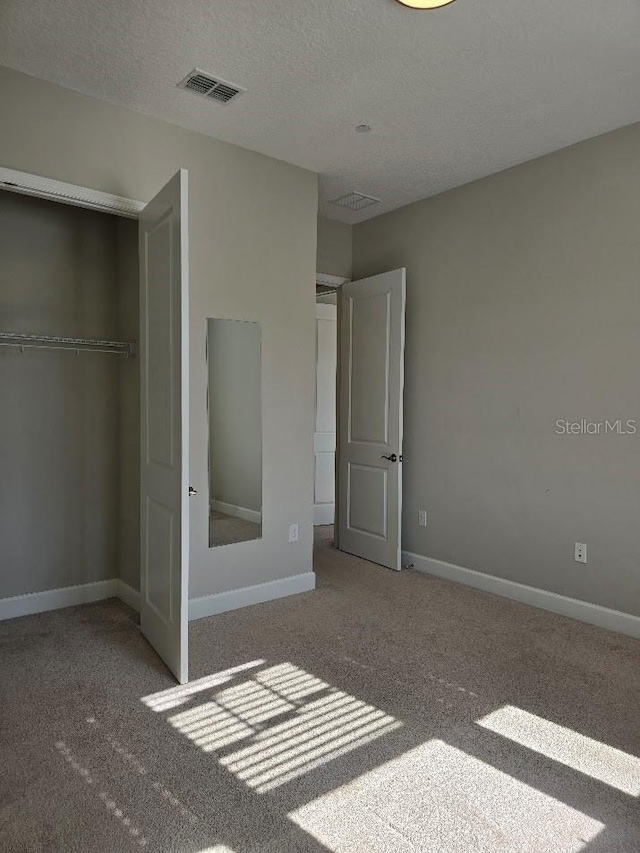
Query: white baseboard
x,y
583,611
237,511
129,595
54,599
323,514
210,605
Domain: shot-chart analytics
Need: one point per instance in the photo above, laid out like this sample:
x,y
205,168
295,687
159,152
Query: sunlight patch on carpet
x,y
440,793
176,696
591,757
219,848
274,726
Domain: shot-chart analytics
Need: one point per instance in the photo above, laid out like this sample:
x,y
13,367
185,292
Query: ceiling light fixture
x,y
425,4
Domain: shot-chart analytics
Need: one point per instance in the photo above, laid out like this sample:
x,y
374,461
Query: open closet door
x,y
164,421
371,373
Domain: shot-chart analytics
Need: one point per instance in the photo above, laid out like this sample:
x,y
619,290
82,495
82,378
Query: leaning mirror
x,y
235,431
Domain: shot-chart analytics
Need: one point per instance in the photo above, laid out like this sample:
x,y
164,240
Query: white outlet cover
x,y
580,554
293,533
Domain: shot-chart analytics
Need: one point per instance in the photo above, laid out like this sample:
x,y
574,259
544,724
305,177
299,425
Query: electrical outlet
x,y
422,517
293,533
580,555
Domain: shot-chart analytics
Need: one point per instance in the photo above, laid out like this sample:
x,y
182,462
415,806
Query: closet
x,y
75,442
69,433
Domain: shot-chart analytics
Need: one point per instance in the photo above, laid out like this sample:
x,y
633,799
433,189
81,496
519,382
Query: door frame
x,y
337,282
324,513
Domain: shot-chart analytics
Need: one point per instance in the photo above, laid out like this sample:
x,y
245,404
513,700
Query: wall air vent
x,y
355,201
211,87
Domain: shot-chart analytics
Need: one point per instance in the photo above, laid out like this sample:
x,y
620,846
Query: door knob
x,y
392,458
192,491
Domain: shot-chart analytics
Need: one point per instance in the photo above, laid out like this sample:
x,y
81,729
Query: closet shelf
x,y
10,339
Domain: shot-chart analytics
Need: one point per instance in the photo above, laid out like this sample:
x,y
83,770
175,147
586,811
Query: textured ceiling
x,y
452,95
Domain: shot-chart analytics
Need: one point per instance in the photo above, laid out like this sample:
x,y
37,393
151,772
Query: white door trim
x,y
324,514
41,187
326,312
324,436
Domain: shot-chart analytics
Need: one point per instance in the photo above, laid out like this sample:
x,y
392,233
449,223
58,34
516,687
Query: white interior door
x,y
164,416
370,417
324,439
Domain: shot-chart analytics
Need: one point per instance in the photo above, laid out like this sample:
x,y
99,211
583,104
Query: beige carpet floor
x,y
382,712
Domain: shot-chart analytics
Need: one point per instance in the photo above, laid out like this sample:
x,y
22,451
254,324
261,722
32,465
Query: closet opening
x,y
70,391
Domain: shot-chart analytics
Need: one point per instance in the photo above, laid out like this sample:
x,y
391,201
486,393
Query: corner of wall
x,y
335,248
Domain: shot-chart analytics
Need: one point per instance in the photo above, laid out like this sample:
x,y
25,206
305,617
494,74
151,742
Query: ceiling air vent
x,y
211,87
355,201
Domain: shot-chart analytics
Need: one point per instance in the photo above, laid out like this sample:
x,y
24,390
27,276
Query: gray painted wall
x,y
335,248
253,255
59,430
235,413
523,307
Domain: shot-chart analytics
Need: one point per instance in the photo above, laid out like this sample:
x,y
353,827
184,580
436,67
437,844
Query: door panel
x,y
164,385
160,344
367,500
371,390
370,318
160,554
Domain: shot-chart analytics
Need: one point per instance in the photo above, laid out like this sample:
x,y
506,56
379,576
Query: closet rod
x,y
10,339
